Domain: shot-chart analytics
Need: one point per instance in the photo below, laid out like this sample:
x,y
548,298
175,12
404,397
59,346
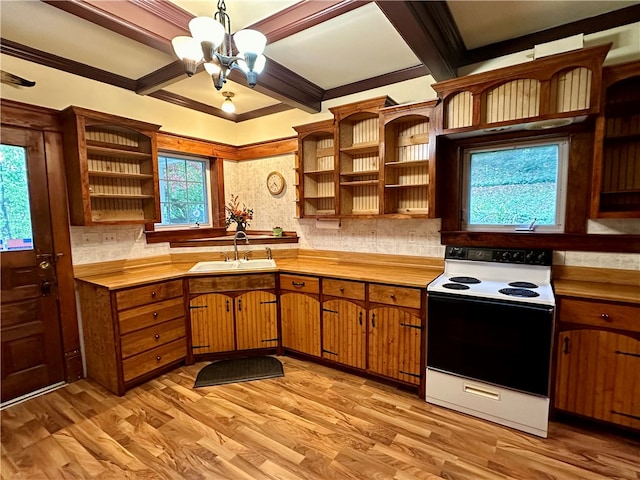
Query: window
x,y
185,198
15,210
516,185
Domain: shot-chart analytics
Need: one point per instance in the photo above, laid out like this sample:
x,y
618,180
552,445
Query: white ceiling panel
x,y
486,22
51,30
355,46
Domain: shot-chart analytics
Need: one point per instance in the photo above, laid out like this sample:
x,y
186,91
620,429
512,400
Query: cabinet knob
x,y
157,336
605,317
153,294
155,314
158,358
341,289
393,296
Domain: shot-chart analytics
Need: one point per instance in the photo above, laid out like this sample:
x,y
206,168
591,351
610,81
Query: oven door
x,y
503,343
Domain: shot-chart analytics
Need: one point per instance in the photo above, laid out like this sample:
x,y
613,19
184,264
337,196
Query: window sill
x,y
256,237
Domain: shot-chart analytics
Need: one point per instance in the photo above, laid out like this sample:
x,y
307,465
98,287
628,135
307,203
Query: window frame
x,y
208,187
562,186
184,146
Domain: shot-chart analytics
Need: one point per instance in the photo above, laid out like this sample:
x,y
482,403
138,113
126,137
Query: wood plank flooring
x,y
313,423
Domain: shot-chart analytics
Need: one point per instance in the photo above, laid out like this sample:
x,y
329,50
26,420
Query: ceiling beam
x,y
429,30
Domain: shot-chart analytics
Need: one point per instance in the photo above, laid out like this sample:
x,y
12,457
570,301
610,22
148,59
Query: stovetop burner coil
x,y
455,286
464,280
523,285
519,292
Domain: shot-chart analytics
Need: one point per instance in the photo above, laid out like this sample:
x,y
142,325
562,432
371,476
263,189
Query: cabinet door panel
x,y
394,344
300,323
344,333
598,376
256,320
212,323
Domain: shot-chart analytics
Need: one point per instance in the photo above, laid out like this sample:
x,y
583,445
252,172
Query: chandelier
x,y
210,43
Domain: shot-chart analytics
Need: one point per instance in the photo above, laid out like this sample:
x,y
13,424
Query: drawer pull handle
x,y
157,336
630,354
393,296
155,314
158,358
297,284
153,294
605,317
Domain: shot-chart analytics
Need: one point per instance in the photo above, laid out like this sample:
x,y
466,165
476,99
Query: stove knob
x,y
529,257
506,256
542,258
517,256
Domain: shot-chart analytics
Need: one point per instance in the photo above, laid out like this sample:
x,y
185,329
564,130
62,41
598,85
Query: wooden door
x,y
394,344
256,320
300,315
212,323
598,376
30,325
344,332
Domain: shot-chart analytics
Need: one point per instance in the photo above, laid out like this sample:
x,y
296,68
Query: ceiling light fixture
x,y
210,43
228,105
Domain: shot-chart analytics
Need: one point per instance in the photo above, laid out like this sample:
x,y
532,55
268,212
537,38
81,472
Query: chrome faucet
x,y
235,242
269,257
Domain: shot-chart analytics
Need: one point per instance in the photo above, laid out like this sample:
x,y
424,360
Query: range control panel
x,y
532,256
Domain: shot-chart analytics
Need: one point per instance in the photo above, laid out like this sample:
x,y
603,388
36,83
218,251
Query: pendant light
x,y
210,44
228,105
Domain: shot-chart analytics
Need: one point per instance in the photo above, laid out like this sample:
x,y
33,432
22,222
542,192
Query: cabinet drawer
x,y
402,296
343,288
299,283
150,360
155,292
230,283
152,337
600,314
149,315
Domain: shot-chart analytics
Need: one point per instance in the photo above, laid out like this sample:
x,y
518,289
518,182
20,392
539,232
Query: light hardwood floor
x,y
314,423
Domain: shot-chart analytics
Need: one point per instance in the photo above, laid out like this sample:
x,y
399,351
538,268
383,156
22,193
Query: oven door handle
x,y
481,392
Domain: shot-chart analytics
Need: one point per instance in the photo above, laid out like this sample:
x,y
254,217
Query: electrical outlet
x,y
90,238
109,237
412,237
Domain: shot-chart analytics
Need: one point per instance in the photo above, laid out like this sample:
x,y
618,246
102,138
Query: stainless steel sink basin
x,y
234,266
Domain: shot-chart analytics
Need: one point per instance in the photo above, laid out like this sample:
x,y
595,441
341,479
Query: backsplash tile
x,y
247,179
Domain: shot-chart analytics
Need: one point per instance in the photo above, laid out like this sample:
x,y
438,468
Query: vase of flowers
x,y
237,215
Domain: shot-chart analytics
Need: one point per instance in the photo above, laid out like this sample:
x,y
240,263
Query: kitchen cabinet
x,y
616,158
111,168
316,193
132,334
598,361
358,155
395,332
235,312
553,89
344,324
409,159
300,313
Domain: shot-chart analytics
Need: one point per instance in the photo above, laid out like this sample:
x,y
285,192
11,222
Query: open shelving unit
x,y
111,166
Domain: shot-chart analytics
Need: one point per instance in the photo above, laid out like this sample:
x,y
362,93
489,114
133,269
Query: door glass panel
x,y
15,212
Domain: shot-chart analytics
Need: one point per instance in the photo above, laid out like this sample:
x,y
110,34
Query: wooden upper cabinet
x,y
111,168
357,133
316,170
616,159
557,87
408,159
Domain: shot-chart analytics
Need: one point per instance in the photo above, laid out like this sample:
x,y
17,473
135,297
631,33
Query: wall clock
x,y
275,183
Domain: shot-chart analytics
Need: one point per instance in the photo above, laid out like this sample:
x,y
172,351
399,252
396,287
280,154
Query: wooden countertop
x,y
597,291
418,276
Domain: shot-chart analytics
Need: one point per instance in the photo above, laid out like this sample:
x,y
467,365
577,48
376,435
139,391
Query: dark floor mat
x,y
239,370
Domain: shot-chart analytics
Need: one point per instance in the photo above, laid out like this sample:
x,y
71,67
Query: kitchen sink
x,y
233,266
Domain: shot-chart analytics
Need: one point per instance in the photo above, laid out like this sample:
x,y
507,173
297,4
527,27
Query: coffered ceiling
x,y
316,49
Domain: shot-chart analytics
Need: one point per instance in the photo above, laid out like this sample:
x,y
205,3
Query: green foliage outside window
x,y
514,186
183,192
15,212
